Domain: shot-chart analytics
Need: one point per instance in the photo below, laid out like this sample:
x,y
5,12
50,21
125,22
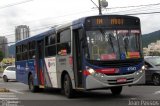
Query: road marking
x,y
157,92
15,91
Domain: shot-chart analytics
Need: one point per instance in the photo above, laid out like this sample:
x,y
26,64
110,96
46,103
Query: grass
x,y
1,70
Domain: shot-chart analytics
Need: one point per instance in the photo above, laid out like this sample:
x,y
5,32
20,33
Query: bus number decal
x,y
131,68
117,21
99,21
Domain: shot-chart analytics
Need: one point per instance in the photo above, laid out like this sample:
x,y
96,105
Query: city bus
x,y
90,53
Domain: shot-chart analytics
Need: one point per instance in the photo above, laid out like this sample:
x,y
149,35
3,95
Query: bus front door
x,y
77,60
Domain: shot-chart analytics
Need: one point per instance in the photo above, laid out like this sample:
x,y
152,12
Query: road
x,y
146,95
0,75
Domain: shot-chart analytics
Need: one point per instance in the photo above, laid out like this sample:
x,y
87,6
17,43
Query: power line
x,y
92,10
6,43
136,9
134,6
49,26
87,11
143,13
40,28
18,3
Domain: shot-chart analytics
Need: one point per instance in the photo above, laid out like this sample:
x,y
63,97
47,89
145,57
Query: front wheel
x,y
67,86
156,79
116,90
5,79
32,88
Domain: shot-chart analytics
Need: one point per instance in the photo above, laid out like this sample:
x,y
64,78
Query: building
x,y
22,32
153,49
4,45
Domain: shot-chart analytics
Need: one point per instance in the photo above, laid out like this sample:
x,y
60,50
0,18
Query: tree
x,y
1,56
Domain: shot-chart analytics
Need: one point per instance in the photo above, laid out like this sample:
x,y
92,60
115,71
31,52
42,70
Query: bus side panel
x,y
50,72
21,72
64,64
33,69
40,72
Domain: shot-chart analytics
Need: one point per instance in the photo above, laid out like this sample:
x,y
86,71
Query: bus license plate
x,y
121,80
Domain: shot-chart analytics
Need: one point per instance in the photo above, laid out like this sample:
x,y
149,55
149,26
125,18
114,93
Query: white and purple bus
x,y
95,52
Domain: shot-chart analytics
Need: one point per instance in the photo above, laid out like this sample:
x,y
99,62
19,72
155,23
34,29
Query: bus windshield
x,y
112,44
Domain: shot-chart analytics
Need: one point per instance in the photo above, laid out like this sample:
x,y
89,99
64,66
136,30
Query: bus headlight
x,y
91,71
143,68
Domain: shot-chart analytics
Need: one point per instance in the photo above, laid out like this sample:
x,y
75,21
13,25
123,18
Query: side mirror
x,y
146,66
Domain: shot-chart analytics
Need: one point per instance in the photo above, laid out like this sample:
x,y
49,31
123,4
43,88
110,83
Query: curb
x,y
4,90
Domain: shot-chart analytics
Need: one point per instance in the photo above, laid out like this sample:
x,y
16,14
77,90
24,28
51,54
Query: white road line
x,y
15,91
9,98
157,92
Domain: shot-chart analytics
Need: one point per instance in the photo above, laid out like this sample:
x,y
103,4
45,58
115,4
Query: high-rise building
x,y
4,45
22,32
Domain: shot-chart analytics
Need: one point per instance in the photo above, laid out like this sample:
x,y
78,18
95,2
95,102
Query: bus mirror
x,y
146,66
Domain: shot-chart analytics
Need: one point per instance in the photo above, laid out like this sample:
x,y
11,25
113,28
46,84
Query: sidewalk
x,y
0,75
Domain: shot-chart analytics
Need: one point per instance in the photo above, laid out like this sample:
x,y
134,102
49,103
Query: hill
x,y
149,38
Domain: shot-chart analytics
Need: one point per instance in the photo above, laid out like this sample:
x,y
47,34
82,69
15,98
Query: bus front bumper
x,y
99,81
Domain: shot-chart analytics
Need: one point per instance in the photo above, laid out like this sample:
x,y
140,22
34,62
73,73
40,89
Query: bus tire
x,y
116,90
67,86
31,86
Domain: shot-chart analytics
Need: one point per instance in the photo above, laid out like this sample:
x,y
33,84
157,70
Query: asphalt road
x,y
0,75
146,95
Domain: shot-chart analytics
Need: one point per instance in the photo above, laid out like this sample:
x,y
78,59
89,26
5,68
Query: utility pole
x,y
101,4
99,7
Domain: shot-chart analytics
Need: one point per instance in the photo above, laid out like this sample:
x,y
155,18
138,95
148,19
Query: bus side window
x,y
24,52
63,40
18,53
32,50
50,47
64,48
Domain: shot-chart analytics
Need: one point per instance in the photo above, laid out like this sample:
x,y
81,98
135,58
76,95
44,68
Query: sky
x,y
41,15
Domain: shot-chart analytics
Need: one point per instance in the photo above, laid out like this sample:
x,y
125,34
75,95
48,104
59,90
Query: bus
x,y
90,53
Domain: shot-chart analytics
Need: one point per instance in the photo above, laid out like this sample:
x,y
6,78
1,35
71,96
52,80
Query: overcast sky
x,y
42,14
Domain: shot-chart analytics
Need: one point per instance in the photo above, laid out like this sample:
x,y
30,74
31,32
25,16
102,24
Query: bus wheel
x,y
32,88
67,86
116,90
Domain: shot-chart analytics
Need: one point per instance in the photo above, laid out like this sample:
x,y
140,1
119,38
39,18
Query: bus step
x,y
41,86
81,89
